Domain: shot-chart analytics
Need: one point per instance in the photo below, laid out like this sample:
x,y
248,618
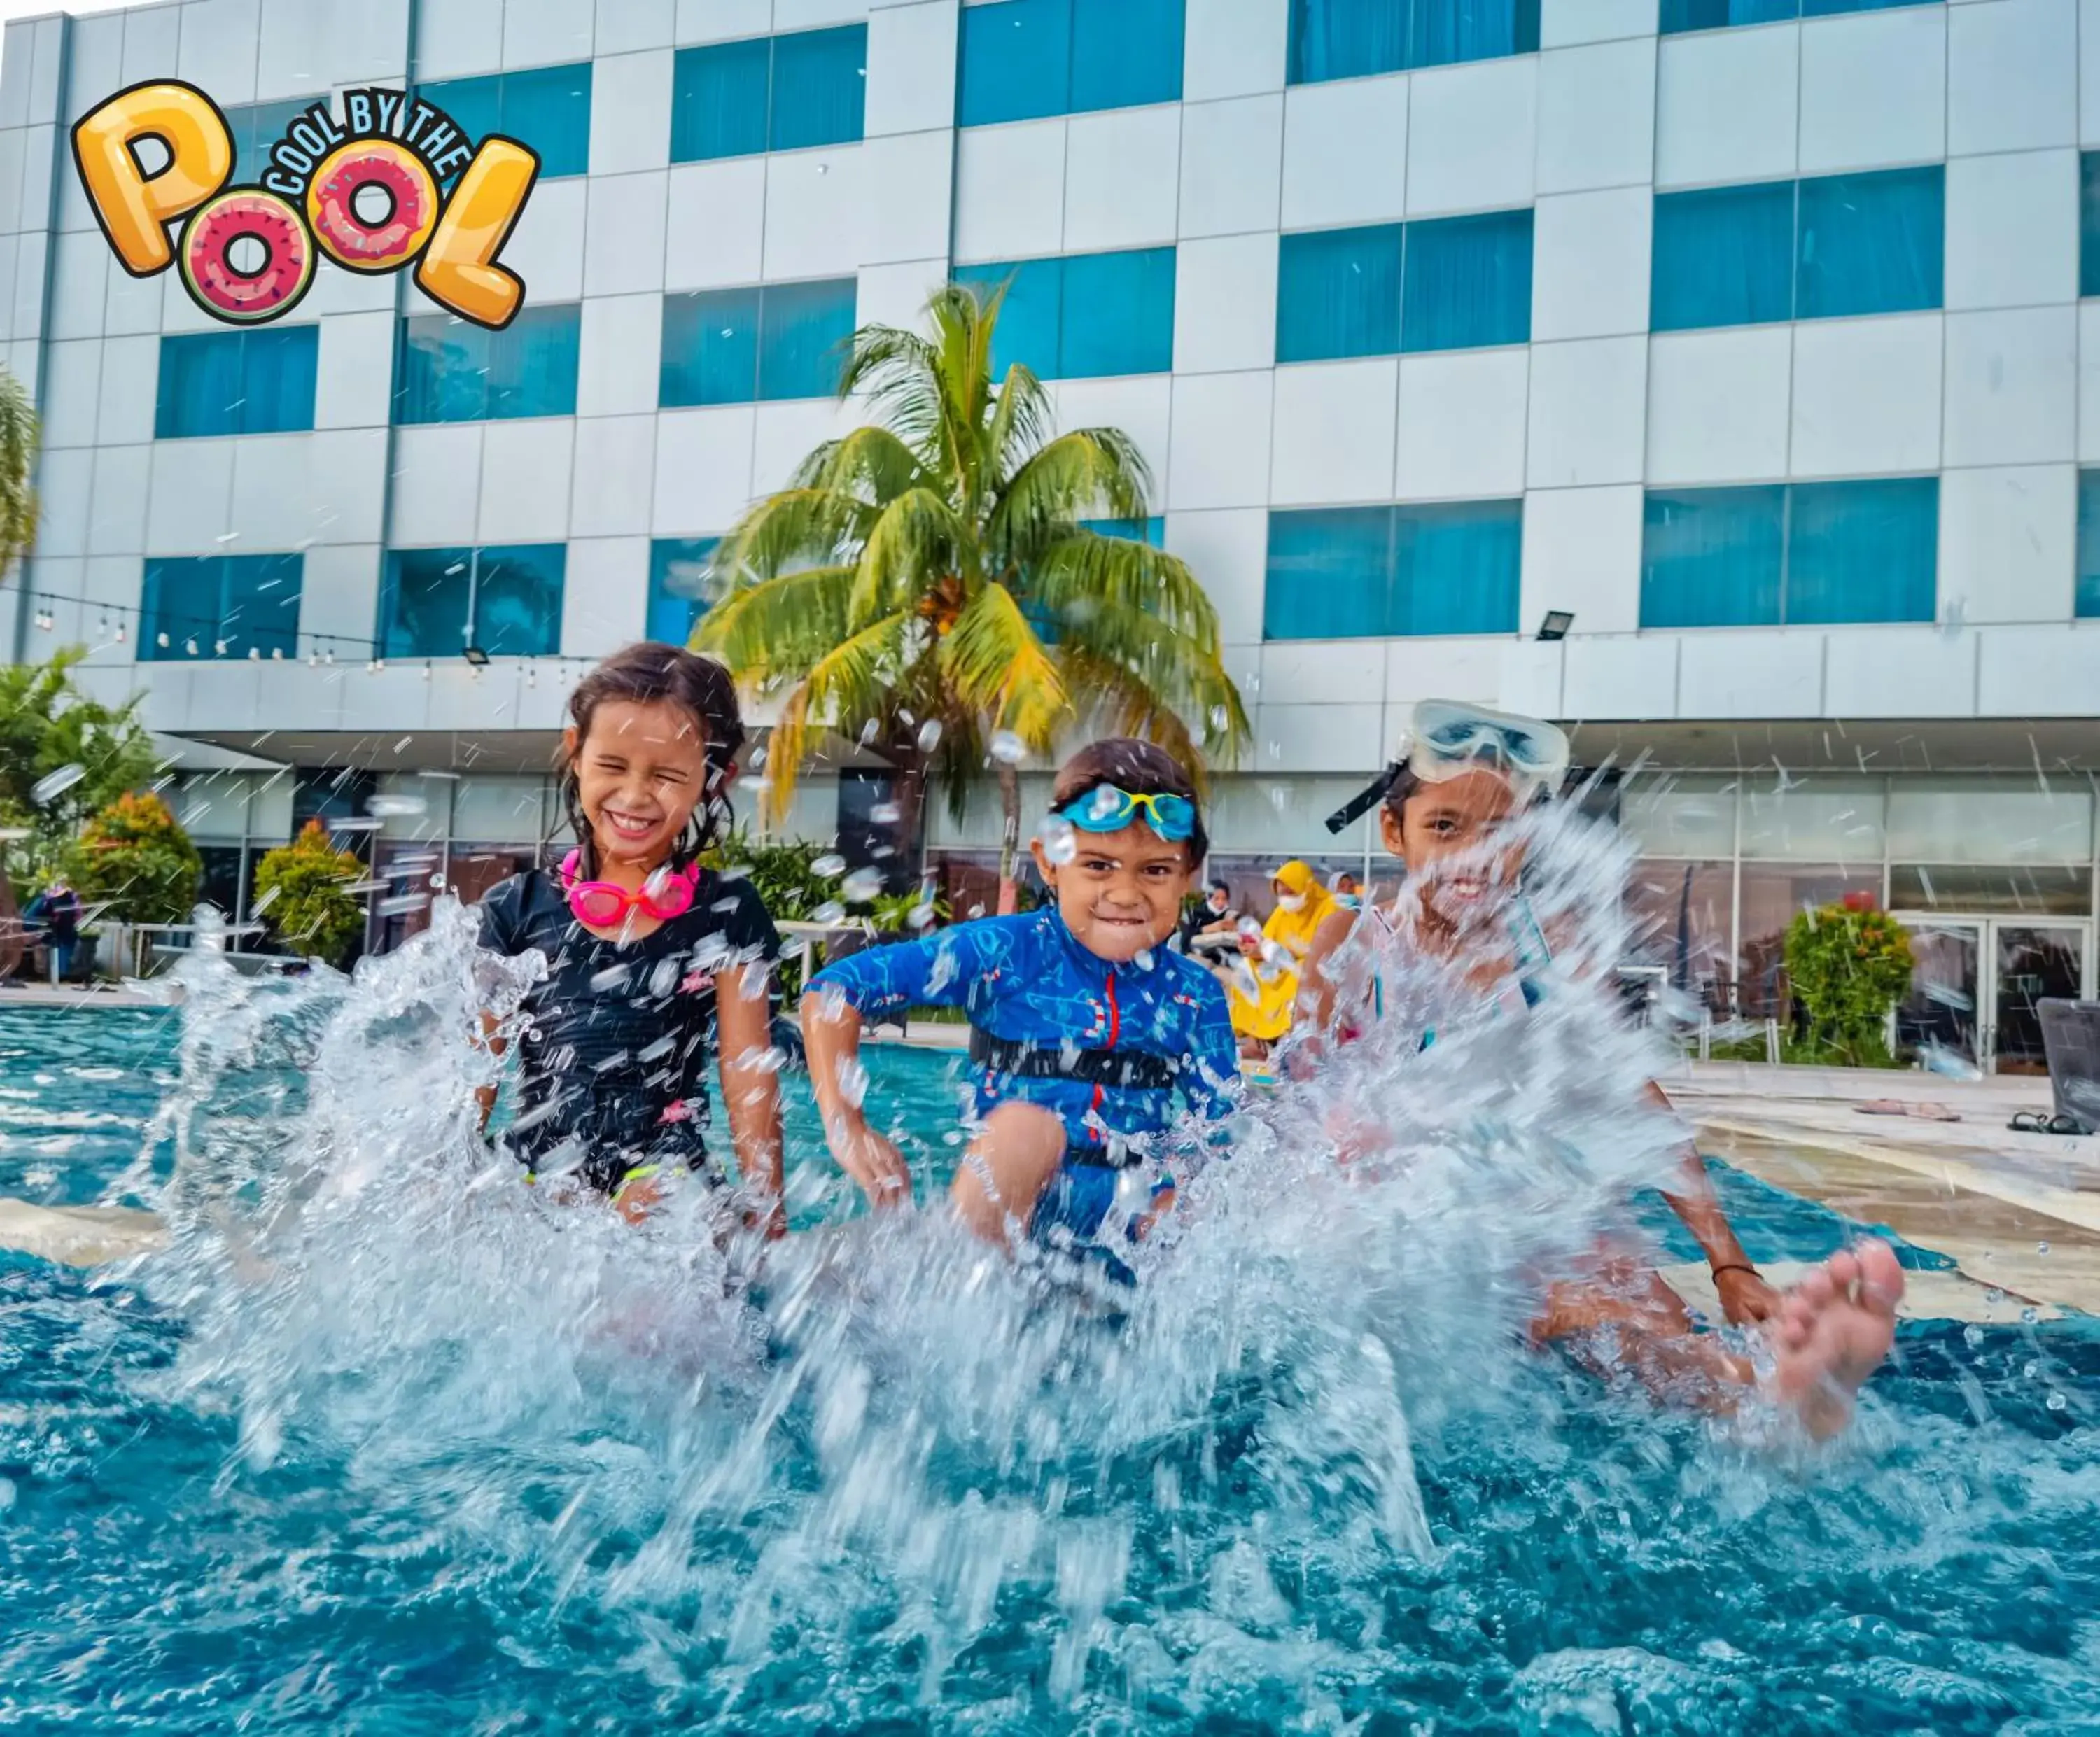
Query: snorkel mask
x,y
1446,739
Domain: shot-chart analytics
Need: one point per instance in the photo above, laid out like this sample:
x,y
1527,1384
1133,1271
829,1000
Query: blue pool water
x,y
377,1514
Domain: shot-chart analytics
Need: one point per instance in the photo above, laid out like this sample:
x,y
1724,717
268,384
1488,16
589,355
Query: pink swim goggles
x,y
600,904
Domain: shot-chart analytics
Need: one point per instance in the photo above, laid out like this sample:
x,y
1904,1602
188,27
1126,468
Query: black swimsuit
x,y
614,1061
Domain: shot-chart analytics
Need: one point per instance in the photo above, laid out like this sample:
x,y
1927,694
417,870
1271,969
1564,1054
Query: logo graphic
x,y
365,190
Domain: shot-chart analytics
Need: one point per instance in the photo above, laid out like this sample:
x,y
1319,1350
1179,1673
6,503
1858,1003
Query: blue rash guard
x,y
1047,1013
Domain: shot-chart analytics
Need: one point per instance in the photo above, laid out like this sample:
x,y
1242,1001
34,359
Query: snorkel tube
x,y
1364,799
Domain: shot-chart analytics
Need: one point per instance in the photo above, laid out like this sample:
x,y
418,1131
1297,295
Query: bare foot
x,y
1832,1333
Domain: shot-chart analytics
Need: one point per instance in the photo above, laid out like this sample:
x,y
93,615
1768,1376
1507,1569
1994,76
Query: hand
x,y
1745,1297
635,1200
873,1160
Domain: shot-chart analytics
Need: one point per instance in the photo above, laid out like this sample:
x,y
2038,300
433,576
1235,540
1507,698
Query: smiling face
x,y
1122,892
1445,835
640,774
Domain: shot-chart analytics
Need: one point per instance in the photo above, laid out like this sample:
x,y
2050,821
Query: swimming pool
x,y
471,1534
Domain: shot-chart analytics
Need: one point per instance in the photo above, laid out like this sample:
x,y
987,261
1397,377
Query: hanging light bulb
x,y
328,655
163,641
190,646
254,652
276,653
123,633
313,659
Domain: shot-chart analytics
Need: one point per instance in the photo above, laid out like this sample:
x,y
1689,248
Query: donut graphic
x,y
287,256
410,197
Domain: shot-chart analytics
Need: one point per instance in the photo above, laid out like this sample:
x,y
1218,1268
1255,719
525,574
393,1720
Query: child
x,y
1085,1027
646,949
1462,773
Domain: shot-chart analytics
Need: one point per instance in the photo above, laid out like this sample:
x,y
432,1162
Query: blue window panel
x,y
710,348
2088,543
476,105
1830,8
252,383
2089,224
1151,531
1723,257
1456,567
221,606
454,370
1028,314
1346,39
1871,243
1338,294
1862,551
803,333
820,88
546,107
1330,573
1443,32
255,127
1712,558
1125,53
1118,313
719,100
1713,15
677,581
1467,282
1015,62
436,602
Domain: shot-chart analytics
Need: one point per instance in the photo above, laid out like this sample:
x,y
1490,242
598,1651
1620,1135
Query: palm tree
x,y
18,491
927,586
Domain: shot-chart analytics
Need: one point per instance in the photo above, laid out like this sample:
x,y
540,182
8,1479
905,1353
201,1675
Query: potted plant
x,y
303,893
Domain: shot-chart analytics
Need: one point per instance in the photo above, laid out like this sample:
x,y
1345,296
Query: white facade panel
x,y
1234,47
1225,303
715,231
2044,671
1866,395
623,233
615,469
2012,229
1727,106
1123,178
1900,672
1141,405
702,469
1596,117
1746,673
815,213
1621,676
1220,457
1461,432
624,26
631,112
620,355
546,32
1322,672
1232,166
2009,544
525,470
218,51
910,68
437,486
1229,550
455,37
1563,23
2011,385
190,497
1345,152
1582,553
604,595
1334,432
2012,76
1472,136
123,485
1010,190
1589,400
908,185
1718,404
354,374
547,248
1873,90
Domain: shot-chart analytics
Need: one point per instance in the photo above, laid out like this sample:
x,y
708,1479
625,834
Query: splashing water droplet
x,y
885,813
920,915
2056,1402
2041,1248
830,911
1972,1337
868,729
1061,839
1007,748
930,735
1143,961
2029,1317
1103,805
830,867
53,785
387,806
862,885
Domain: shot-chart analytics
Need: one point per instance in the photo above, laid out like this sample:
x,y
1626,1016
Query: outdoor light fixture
x,y
477,657
1556,624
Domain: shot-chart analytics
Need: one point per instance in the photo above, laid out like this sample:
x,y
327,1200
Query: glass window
x,y
1338,294
1723,256
507,600
1814,250
1085,314
678,579
2089,224
1679,916
1355,39
1151,531
1715,15
1871,243
732,346
1022,60
1712,558
1862,551
454,370
1467,282
2088,543
1376,572
2041,889
1973,822
1443,32
1330,574
1772,893
252,383
1814,819
545,107
255,127
779,93
221,606
1671,816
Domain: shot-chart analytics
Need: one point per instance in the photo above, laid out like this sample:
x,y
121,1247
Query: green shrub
x,y
134,860
302,892
1848,967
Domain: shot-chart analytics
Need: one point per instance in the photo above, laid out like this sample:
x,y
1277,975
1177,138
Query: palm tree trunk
x,y
1009,837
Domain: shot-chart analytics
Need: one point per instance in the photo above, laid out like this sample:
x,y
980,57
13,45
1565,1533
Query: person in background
x,y
1214,916
57,909
1273,958
1348,891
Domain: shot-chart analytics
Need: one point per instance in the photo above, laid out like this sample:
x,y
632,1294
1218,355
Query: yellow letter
x,y
459,267
133,207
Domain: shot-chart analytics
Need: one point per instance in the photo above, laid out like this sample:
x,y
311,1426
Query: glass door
x,y
1942,1014
2030,962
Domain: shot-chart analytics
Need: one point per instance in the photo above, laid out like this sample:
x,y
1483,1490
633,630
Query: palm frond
x,y
1021,422
798,527
870,464
1084,570
18,468
897,374
916,540
1090,473
1169,672
777,629
1119,704
997,667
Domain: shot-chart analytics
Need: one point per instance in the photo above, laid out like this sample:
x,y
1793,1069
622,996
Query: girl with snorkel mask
x,y
1447,802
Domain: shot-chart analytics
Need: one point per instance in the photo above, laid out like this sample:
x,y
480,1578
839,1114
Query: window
x,y
255,127
1024,59
731,346
1381,572
221,606
1715,14
2089,224
454,370
1083,314
2088,543
547,107
1791,555
256,383
1354,38
678,597
507,602
1151,531
768,93
1814,250
1451,282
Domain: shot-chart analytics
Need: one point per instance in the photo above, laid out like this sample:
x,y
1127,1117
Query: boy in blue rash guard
x,y
1085,1029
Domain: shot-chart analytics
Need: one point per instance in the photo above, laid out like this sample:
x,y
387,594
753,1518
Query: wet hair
x,y
1142,768
644,674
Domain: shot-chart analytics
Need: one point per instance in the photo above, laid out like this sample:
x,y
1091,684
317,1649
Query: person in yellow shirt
x,y
1273,957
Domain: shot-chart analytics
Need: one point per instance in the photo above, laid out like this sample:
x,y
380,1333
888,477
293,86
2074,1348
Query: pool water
x,y
348,1510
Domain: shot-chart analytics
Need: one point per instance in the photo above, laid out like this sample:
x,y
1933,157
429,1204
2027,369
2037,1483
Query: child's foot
x,y
1832,1333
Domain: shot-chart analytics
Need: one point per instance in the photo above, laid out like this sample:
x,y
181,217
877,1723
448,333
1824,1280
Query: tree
x,y
1848,966
48,725
929,582
18,471
135,861
303,891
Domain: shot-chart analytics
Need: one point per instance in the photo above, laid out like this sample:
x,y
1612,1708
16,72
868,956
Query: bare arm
x,y
1316,987
831,1032
485,1095
1745,1295
743,1019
